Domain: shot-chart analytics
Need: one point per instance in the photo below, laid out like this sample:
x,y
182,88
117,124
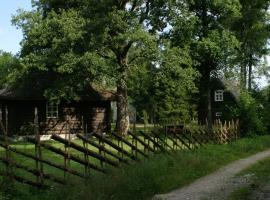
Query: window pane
x,y
219,95
52,110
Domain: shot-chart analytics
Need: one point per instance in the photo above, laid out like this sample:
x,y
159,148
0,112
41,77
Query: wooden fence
x,y
95,153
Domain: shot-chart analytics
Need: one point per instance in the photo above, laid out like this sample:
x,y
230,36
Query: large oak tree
x,y
90,41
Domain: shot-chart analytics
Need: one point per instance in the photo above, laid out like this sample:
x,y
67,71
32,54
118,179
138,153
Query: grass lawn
x,y
161,173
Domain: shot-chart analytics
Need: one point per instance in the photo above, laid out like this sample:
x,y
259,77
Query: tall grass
x,y
162,173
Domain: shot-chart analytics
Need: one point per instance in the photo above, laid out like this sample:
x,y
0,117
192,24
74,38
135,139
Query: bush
x,y
265,101
251,122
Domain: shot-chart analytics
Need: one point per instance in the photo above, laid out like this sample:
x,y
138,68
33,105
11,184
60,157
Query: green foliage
x,y
9,68
266,109
212,44
164,89
85,41
208,25
251,121
141,92
263,101
90,42
162,52
252,31
174,86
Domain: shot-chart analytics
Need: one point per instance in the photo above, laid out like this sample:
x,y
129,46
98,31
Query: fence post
x,y
104,153
85,145
238,128
6,143
136,145
233,129
8,165
134,123
230,130
186,132
67,137
100,152
134,132
87,156
39,165
221,133
6,112
226,131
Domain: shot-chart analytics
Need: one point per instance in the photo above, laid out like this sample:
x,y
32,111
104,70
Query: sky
x,y
10,37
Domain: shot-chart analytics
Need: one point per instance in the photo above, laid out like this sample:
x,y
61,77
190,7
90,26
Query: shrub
x,y
251,121
264,97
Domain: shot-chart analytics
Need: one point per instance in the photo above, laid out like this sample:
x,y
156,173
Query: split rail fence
x,y
94,153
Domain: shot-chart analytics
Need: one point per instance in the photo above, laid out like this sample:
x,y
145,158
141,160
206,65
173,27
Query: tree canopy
x,y
10,68
159,55
91,41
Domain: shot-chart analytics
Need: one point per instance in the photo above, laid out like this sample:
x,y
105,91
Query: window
x,y
52,110
219,95
218,114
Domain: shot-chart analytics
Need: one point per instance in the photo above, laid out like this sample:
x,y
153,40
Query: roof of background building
x,y
37,93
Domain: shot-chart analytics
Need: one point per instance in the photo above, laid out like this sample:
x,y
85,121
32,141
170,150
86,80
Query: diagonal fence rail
x,y
94,153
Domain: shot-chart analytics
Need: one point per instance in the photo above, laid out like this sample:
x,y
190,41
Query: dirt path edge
x,y
204,187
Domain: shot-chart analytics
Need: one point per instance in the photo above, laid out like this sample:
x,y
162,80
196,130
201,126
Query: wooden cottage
x,y
224,97
91,113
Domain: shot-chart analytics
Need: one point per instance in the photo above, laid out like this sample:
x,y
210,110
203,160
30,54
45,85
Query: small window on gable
x,y
52,110
219,95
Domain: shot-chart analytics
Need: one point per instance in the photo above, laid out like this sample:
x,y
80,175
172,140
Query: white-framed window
x,y
52,110
219,95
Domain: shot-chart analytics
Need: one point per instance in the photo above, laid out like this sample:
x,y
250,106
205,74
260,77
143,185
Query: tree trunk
x,y
202,106
122,123
243,77
249,72
209,109
205,106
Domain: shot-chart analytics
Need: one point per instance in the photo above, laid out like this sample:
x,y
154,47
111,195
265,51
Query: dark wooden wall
x,y
74,117
227,106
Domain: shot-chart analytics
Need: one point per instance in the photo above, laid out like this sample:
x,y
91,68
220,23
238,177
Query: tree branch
x,y
127,47
122,4
134,5
107,57
145,14
138,57
104,56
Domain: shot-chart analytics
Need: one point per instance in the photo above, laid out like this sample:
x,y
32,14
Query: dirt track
x,y
218,185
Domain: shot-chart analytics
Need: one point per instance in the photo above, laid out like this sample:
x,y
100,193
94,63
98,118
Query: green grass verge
x,y
260,176
162,173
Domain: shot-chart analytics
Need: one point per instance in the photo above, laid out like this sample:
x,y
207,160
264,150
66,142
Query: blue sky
x,y
10,37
